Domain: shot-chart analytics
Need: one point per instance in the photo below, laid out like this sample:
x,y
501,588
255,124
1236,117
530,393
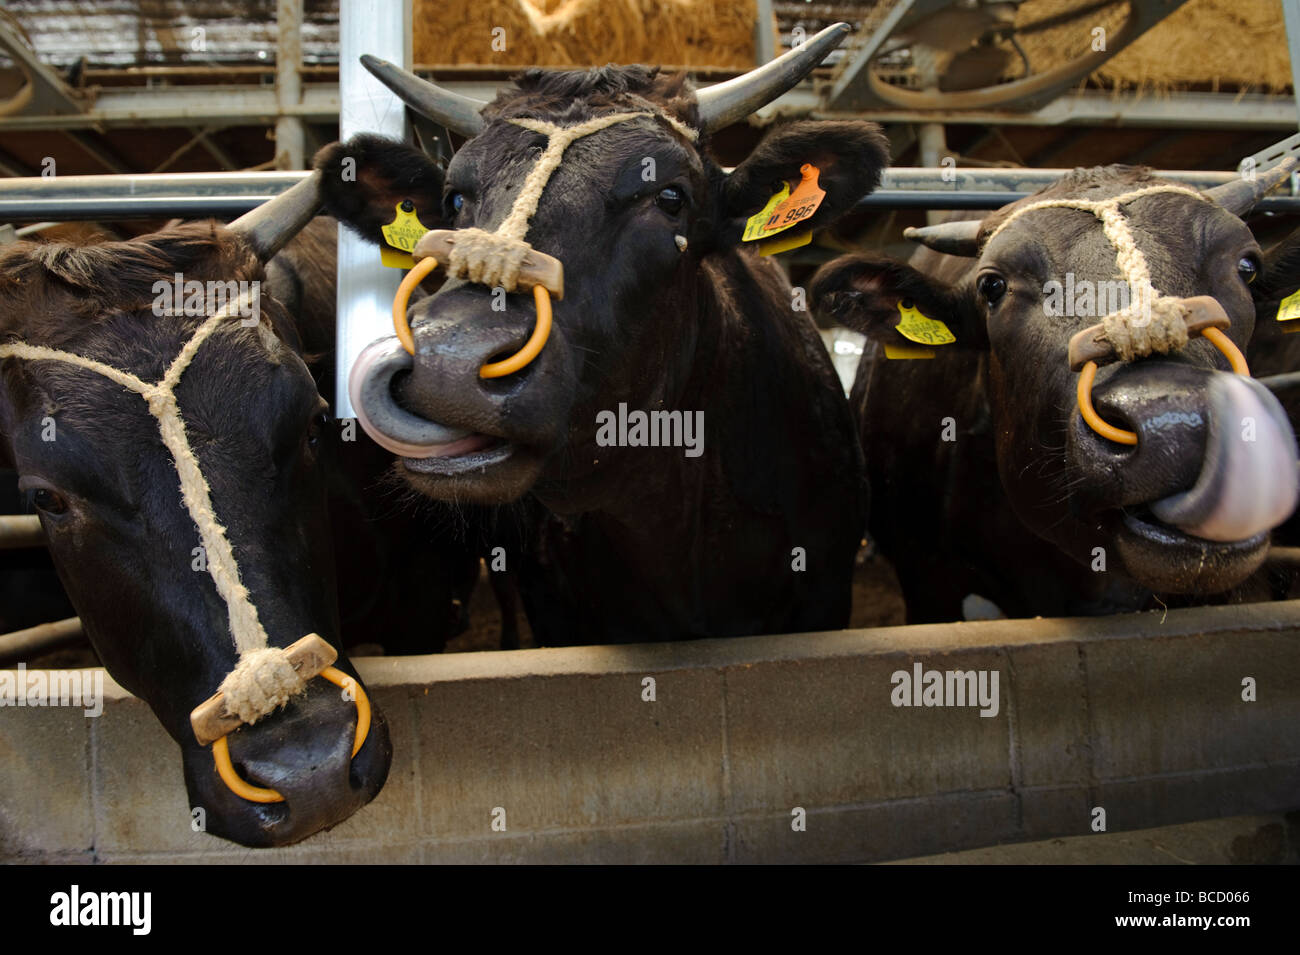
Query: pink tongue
x,y
467,445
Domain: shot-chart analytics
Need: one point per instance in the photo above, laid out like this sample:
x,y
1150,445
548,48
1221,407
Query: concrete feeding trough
x,y
762,749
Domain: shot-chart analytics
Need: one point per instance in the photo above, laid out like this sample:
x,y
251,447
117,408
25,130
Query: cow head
x,y
91,459
636,213
1188,507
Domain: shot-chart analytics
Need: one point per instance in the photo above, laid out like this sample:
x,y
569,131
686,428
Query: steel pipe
x,y
226,195
45,638
20,530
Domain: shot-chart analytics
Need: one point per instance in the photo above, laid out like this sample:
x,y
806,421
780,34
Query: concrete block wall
x,y
1141,716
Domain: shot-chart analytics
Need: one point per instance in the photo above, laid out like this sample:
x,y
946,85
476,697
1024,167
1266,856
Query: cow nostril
x,y
503,384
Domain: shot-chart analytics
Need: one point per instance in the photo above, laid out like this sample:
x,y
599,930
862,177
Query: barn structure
x,y
1114,739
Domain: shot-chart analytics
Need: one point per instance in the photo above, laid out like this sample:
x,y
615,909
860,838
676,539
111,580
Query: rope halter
x,y
1152,322
503,258
265,677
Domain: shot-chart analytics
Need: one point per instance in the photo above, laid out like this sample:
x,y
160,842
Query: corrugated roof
x,y
120,33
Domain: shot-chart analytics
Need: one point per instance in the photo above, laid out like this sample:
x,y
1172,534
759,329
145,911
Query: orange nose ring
x,y
532,348
1111,433
246,790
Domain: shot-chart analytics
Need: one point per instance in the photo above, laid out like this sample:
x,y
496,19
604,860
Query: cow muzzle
x,y
389,424
297,772
1212,471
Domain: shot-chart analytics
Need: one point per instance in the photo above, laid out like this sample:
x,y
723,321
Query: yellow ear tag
x,y
784,244
907,351
395,258
924,331
1289,308
803,202
754,226
402,234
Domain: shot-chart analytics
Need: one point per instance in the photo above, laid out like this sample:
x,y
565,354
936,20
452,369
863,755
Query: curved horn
x,y
268,227
953,238
458,113
1240,195
735,99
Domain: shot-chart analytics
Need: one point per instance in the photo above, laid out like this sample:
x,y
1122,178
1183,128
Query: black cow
x,y
663,310
985,477
90,457
406,570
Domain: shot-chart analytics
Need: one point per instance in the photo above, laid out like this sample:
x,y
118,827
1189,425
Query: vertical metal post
x,y
289,137
366,288
1291,17
765,45
932,147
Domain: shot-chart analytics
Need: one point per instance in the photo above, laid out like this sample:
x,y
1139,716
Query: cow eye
x,y
317,426
1248,268
670,200
51,502
991,287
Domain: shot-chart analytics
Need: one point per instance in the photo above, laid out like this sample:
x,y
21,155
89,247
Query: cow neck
x,y
264,678
1152,321
495,258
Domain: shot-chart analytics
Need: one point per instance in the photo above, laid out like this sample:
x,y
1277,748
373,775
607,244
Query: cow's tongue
x,y
1245,486
468,445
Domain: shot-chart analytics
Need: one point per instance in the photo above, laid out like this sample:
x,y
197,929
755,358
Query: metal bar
x,y
186,106
20,530
46,638
1291,17
854,72
939,199
143,196
764,32
1287,381
366,289
253,105
289,138
1283,555
1193,111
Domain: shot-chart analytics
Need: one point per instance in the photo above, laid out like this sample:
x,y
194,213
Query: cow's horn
x,y
954,238
735,99
1240,195
272,224
458,113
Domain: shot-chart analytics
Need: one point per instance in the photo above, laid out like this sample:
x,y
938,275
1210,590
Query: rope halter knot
x,y
264,677
1151,322
503,258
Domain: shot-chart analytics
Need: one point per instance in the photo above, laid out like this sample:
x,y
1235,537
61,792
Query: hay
x,y
1239,44
695,33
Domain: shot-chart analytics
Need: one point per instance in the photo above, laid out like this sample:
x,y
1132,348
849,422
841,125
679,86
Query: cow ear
x,y
364,180
875,296
1277,287
848,156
